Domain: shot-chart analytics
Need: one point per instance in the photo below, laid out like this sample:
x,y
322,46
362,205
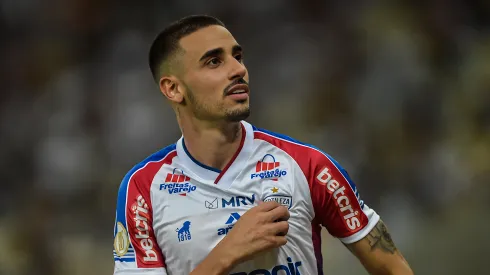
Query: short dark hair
x,y
166,44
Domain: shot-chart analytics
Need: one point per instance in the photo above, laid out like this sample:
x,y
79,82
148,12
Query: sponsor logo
x,y
211,205
238,201
268,170
177,184
143,230
292,268
229,224
286,201
121,240
350,216
184,233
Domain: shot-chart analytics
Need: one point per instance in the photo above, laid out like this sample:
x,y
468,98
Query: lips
x,y
238,89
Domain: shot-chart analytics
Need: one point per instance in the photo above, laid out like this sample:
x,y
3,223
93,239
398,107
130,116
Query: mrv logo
x,y
237,201
176,184
292,268
268,170
229,224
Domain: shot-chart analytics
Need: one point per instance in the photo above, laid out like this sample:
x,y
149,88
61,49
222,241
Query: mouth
x,y
238,89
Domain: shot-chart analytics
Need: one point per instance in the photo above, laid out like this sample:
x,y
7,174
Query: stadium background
x,y
397,91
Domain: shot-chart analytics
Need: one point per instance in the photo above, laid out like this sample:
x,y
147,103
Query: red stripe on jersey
x,y
335,203
244,133
139,215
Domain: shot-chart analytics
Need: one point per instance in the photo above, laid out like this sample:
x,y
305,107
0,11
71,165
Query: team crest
x,y
286,201
184,233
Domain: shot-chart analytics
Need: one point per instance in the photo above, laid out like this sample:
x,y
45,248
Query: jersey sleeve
x,y
337,203
136,249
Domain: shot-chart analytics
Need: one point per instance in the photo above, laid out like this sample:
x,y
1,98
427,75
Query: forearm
x,y
391,268
402,269
378,254
215,263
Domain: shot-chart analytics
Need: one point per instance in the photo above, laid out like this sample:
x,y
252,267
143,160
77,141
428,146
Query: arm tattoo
x,y
379,237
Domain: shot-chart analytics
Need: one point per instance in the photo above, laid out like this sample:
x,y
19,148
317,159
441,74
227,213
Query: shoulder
x,y
145,170
302,152
315,163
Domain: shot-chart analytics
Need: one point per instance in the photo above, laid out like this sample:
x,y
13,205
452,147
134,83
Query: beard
x,y
203,111
238,115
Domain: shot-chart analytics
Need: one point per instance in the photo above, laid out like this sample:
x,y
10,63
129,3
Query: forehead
x,y
205,39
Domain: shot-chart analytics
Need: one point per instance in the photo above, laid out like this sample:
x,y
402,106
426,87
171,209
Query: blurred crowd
x,y
397,91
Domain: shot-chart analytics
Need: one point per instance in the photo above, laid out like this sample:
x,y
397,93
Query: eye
x,y
213,62
239,57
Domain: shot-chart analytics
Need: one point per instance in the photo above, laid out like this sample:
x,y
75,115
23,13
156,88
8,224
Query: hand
x,y
261,228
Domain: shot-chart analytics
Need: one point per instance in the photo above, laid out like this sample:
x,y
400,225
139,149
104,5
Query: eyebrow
x,y
220,51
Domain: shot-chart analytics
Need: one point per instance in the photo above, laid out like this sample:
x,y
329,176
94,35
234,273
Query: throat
x,y
214,153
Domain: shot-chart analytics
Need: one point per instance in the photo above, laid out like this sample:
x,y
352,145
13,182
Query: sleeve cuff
x,y
373,219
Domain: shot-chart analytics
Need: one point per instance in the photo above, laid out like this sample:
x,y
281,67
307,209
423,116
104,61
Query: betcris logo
x,y
237,201
338,191
142,232
229,224
292,268
177,184
268,170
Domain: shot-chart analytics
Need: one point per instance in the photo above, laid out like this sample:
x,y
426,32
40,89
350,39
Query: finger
x,y
277,229
279,241
280,213
266,206
272,242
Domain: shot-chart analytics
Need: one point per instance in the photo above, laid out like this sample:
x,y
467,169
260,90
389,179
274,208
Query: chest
x,y
190,218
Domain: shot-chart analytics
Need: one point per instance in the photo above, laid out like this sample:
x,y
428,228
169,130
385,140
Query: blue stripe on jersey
x,y
341,169
349,180
121,197
128,260
125,256
197,162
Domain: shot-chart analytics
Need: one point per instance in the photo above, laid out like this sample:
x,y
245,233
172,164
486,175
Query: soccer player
x,y
228,197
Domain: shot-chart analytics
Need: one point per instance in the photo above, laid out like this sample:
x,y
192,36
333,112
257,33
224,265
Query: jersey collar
x,y
208,174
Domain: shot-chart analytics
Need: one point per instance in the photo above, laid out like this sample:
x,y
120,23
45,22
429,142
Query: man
x,y
229,198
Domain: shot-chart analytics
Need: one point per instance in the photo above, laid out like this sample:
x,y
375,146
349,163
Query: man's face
x,y
215,80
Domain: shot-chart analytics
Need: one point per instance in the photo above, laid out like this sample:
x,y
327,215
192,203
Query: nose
x,y
238,70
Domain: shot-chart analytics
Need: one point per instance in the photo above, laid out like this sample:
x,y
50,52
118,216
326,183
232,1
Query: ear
x,y
169,86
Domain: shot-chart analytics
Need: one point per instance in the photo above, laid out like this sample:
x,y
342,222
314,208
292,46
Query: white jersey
x,y
173,210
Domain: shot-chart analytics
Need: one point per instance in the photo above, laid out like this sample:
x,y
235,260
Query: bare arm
x,y
378,253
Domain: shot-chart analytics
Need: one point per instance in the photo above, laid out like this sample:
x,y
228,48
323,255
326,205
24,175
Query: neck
x,y
209,143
